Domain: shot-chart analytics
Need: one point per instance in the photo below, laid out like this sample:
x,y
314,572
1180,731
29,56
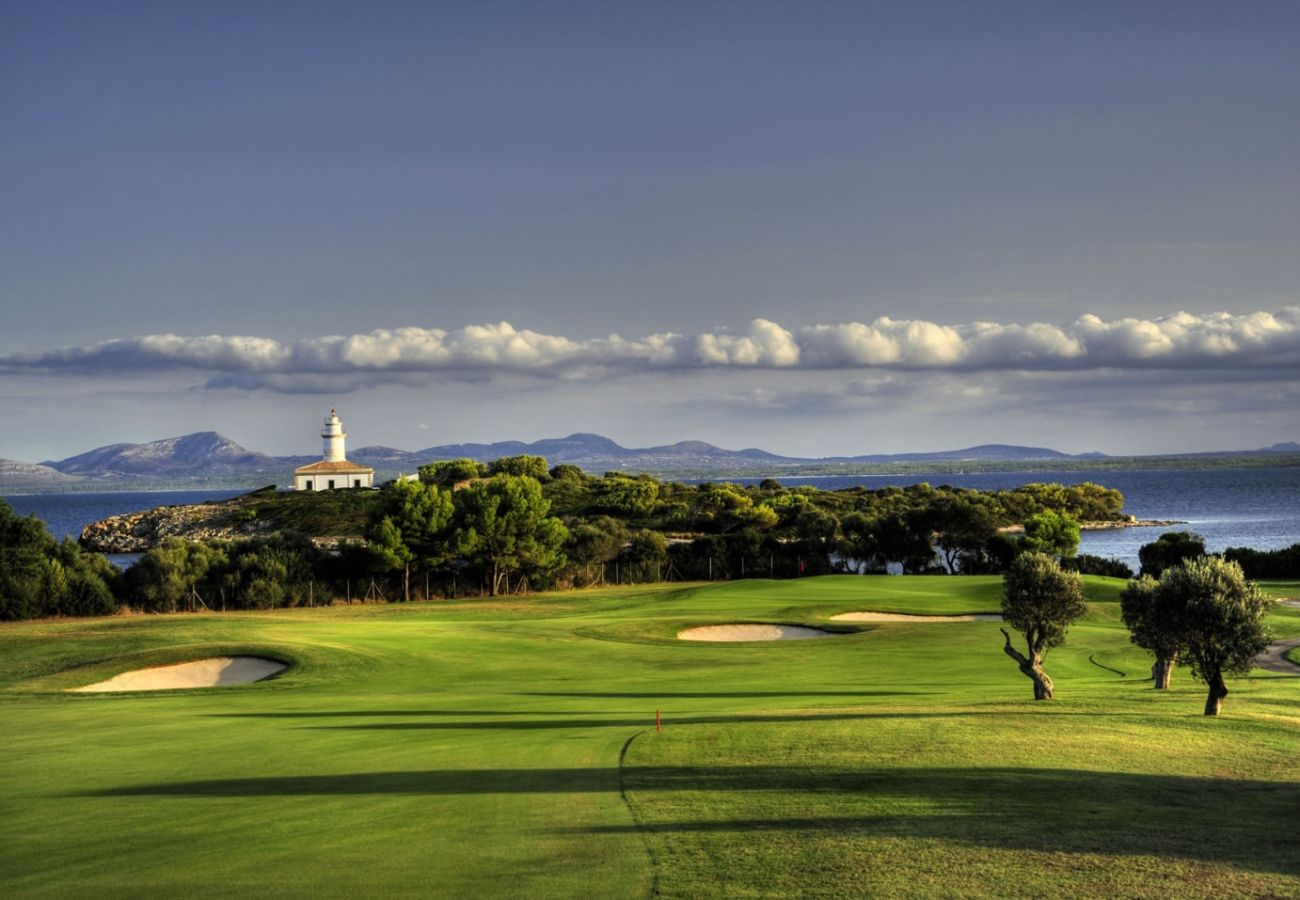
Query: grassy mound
x,y
508,748
319,513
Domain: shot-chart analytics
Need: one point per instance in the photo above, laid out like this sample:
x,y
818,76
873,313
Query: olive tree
x,y
1149,627
1218,616
1039,600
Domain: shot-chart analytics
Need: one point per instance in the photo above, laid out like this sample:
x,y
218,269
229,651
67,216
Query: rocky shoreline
x,y
327,518
1130,522
1108,524
138,532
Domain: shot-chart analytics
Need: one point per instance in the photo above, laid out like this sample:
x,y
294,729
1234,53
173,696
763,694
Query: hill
x,y
595,453
32,476
981,453
200,454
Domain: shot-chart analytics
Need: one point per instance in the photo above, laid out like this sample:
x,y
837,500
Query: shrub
x,y
1087,564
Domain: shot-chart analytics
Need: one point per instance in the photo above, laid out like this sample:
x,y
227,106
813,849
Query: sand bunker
x,y
219,671
750,633
901,617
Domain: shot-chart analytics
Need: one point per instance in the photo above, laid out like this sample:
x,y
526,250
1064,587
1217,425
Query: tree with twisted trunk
x,y
1218,615
1039,600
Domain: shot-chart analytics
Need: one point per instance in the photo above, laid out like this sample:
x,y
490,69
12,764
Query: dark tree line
x,y
1283,563
40,576
769,529
1175,547
633,528
468,527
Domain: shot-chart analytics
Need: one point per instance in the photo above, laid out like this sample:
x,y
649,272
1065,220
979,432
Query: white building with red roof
x,y
334,471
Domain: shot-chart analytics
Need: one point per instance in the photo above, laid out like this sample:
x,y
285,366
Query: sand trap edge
x,y
216,671
904,617
747,633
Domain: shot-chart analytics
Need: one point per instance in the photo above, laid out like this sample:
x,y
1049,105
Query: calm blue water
x,y
1255,507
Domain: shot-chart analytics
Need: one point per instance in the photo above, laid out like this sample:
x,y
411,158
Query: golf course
x,y
508,747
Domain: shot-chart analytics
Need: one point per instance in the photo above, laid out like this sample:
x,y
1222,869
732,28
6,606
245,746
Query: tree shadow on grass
x,y
524,724
1240,822
393,713
709,695
530,720
1237,821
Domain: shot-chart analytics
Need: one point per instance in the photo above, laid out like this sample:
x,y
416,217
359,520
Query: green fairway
x,y
508,748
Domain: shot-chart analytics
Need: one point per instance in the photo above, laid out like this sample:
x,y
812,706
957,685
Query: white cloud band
x,y
1181,341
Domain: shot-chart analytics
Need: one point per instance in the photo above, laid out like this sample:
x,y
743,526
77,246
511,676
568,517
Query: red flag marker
x,y
659,724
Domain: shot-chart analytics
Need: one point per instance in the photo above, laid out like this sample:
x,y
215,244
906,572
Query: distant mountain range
x,y
596,453
208,459
194,454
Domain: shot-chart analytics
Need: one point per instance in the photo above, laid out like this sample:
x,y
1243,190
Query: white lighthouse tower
x,y
334,436
333,471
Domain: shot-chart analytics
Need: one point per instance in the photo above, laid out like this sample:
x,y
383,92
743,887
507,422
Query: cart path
x,y
1274,658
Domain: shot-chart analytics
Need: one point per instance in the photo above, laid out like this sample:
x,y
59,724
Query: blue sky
x,y
819,228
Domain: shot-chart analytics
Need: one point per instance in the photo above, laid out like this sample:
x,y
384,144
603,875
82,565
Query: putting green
x,y
508,748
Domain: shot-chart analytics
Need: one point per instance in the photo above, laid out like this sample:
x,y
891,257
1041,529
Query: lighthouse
x,y
334,471
334,436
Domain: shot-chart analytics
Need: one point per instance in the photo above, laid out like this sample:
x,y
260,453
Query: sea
x,y
1255,507
67,514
